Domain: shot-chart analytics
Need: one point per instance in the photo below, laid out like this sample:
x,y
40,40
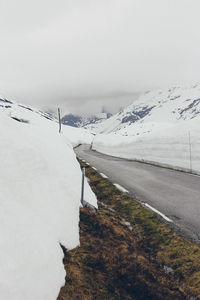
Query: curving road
x,y
174,194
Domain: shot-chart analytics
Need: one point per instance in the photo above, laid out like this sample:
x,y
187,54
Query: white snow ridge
x,y
40,182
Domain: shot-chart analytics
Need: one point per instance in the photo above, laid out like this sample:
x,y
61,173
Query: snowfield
x,y
161,127
40,181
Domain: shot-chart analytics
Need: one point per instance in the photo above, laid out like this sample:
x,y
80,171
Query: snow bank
x,y
77,136
40,182
167,144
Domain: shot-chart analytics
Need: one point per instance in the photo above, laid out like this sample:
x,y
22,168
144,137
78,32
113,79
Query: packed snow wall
x,y
40,188
177,147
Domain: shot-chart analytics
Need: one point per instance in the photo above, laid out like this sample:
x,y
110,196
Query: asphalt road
x,y
175,194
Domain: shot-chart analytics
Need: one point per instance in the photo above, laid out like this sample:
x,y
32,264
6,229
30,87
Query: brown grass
x,y
115,262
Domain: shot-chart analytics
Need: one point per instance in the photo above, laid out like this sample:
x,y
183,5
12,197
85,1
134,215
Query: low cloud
x,y
82,54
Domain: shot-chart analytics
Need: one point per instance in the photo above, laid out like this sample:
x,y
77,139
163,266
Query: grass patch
x,y
148,262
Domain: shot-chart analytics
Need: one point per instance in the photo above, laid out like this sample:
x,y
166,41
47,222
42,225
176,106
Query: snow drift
x,y
40,182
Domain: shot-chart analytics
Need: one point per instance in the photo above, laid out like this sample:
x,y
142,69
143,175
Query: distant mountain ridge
x,y
78,121
154,108
160,127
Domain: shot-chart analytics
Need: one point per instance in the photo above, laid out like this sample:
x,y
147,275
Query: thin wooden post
x,y
82,187
59,120
190,149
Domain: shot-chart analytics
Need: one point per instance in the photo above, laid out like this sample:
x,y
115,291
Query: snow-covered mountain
x,y
162,127
40,182
153,110
78,121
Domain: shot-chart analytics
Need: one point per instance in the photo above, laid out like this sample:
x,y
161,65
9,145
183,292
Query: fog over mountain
x,y
85,54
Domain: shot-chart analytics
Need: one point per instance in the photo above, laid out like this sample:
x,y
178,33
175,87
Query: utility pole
x,y
59,120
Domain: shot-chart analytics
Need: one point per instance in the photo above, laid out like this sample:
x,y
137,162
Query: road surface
x,y
174,194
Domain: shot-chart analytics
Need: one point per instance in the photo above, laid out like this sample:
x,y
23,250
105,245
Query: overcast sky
x,y
82,54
